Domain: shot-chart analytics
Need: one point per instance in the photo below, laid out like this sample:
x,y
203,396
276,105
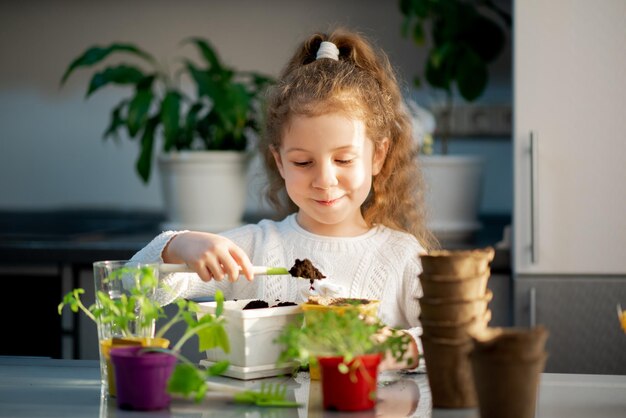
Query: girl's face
x,y
327,163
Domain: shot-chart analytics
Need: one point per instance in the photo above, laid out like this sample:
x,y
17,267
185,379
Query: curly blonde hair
x,y
361,84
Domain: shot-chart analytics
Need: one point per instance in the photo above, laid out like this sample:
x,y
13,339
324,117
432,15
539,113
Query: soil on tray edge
x,y
261,304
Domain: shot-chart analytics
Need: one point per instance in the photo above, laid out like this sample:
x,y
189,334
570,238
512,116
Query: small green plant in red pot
x,y
354,390
348,348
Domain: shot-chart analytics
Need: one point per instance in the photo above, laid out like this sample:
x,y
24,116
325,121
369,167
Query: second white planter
x,y
453,195
204,190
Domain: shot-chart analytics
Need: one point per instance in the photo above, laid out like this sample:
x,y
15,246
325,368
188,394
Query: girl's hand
x,y
211,256
410,359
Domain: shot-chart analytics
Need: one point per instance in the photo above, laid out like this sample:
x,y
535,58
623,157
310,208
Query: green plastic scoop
x,y
256,270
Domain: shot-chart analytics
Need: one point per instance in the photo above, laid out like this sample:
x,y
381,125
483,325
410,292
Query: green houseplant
x,y
195,114
348,348
460,38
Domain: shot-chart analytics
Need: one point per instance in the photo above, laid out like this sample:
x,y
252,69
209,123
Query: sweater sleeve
x,y
171,286
409,303
189,285
400,306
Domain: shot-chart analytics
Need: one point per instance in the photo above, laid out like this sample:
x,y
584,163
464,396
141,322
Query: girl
x,y
338,142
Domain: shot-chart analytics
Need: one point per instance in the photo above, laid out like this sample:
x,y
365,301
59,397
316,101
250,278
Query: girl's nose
x,y
325,176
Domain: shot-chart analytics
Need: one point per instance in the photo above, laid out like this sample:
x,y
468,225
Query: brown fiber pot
x,y
514,343
506,387
454,287
449,372
456,330
455,310
462,263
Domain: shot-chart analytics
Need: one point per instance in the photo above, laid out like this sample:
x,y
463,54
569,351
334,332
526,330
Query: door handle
x,y
532,306
534,187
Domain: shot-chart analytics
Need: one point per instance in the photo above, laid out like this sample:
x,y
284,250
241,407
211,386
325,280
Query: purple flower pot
x,y
141,378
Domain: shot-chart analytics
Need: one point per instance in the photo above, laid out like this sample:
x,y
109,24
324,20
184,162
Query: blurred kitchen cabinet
x,y
31,324
570,137
569,237
500,305
580,313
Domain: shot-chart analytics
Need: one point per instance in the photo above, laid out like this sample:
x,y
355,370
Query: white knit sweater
x,y
382,264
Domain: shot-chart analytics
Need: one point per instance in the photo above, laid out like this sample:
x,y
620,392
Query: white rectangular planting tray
x,y
251,332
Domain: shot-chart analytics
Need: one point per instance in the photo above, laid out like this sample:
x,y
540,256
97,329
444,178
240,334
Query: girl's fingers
x,y
205,274
208,268
228,257
243,262
215,267
211,256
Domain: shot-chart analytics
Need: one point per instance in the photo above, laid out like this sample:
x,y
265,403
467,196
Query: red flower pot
x,y
352,391
141,378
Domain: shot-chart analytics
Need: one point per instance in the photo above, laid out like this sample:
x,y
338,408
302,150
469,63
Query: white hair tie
x,y
328,50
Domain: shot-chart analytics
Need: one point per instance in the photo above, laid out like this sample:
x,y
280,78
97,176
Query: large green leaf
x,y
239,103
209,54
450,21
418,33
144,162
187,381
486,38
96,54
121,74
471,75
170,117
218,368
213,337
117,121
138,111
207,86
219,303
191,122
440,66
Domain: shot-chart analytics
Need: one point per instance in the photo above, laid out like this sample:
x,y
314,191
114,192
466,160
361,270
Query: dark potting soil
x,y
261,304
284,304
256,304
306,269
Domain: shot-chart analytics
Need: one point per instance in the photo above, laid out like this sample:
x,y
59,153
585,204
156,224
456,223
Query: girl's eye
x,y
301,163
344,162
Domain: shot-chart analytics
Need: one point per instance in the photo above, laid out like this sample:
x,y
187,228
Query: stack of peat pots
x,y
454,305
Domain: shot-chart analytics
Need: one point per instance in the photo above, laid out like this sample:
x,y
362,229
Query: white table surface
x,y
34,387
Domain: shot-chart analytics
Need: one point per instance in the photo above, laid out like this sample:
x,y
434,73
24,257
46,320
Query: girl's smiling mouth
x,y
330,202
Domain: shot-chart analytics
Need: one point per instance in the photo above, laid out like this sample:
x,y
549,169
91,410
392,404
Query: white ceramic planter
x,y
251,333
454,190
204,190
